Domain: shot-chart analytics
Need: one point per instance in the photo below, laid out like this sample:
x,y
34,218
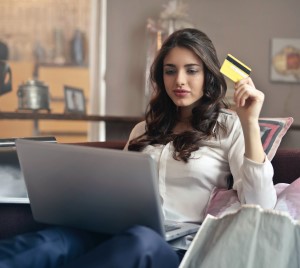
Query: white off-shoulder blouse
x,y
185,188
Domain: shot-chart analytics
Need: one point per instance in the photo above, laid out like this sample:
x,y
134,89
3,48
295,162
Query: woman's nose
x,y
180,79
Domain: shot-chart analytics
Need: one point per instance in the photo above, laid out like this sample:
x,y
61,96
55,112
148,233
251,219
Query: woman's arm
x,y
253,181
249,102
255,184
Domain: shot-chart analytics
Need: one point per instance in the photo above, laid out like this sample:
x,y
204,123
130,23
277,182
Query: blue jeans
x,y
137,247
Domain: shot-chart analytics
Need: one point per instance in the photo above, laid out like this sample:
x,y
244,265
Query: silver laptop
x,y
101,190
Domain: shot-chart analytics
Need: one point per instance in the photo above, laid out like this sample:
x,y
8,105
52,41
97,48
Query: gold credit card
x,y
234,69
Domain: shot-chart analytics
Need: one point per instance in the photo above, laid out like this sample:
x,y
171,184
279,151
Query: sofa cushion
x,y
223,201
272,131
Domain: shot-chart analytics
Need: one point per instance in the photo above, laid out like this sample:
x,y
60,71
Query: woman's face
x,y
183,77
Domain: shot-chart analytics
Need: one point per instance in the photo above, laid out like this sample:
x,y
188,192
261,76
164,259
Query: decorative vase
x,y
77,48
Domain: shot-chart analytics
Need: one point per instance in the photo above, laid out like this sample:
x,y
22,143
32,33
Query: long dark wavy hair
x,y
161,115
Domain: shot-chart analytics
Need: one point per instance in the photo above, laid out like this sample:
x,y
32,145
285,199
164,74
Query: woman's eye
x,y
170,71
192,71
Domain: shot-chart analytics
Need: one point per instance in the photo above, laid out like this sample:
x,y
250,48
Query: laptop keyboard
x,y
171,227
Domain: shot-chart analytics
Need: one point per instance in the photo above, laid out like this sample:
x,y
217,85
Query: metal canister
x,y
33,95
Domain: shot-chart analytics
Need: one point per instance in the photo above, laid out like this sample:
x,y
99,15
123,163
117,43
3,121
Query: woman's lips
x,y
181,92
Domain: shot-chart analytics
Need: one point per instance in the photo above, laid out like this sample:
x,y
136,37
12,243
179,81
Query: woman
x,y
197,143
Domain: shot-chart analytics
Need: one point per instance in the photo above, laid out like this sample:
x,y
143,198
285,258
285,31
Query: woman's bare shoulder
x,y
138,130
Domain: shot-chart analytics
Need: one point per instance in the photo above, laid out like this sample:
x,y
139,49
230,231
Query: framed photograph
x,y
285,60
74,100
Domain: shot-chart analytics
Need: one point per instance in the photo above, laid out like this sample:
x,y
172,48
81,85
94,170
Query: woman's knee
x,y
145,238
152,246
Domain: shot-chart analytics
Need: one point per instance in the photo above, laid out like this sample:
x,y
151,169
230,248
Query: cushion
x,y
223,201
288,198
272,131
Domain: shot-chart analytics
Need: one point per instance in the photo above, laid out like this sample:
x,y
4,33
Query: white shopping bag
x,y
249,238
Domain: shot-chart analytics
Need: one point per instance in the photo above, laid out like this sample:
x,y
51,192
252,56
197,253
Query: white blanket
x,y
248,238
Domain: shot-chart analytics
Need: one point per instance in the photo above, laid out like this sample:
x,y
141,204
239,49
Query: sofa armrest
x,y
115,144
286,163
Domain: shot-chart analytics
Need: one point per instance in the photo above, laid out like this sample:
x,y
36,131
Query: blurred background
x,y
105,48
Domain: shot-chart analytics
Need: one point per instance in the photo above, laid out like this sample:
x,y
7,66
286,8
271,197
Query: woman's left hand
x,y
248,100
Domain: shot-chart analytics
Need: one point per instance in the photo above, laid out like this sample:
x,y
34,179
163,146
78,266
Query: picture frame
x,y
285,60
74,100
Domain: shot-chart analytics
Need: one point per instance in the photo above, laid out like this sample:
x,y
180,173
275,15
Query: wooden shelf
x,y
117,127
57,116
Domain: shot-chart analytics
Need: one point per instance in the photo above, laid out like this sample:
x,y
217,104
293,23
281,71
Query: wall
x,y
243,28
42,28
